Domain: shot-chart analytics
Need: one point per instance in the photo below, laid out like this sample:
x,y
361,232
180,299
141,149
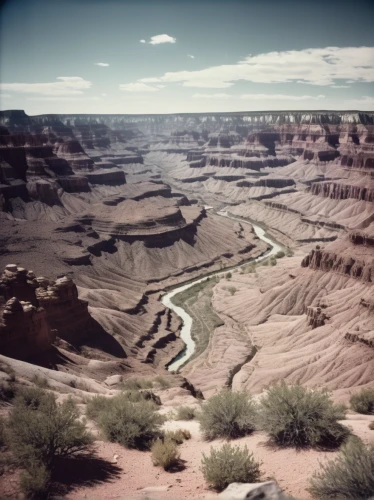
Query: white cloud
x,y
309,66
142,41
212,96
102,64
160,86
280,97
190,56
157,39
259,97
64,98
137,87
5,96
66,86
103,94
366,103
341,86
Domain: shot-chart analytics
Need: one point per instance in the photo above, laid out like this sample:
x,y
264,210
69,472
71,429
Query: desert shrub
x,y
349,476
133,425
371,426
40,429
35,481
232,290
297,416
7,391
273,261
137,383
163,382
363,401
229,464
39,381
4,367
289,252
165,453
280,254
227,414
178,436
185,413
2,432
95,406
228,276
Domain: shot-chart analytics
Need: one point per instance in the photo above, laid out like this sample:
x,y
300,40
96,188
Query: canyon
x,y
103,216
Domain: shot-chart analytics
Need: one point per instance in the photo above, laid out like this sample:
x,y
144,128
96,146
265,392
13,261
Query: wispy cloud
x,y
341,86
259,97
365,103
157,39
102,64
212,96
137,87
142,41
190,56
310,66
65,86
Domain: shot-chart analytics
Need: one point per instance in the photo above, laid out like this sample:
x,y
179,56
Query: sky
x,y
181,56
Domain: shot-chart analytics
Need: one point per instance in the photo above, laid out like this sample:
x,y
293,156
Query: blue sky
x,y
161,56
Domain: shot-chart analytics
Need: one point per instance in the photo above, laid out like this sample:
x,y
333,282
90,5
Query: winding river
x,y
186,318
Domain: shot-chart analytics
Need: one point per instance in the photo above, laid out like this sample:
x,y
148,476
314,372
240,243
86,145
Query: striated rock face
x,y
72,152
34,310
339,191
348,265
316,317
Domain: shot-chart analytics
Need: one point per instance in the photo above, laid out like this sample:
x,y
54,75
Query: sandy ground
x,y
136,478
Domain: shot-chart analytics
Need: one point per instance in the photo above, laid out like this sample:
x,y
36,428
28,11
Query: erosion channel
x,y
189,349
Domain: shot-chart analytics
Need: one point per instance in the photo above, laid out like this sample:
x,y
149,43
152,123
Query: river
x,y
186,318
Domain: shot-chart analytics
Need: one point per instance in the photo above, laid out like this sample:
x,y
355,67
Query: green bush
x,y
137,383
35,481
227,414
228,276
296,416
371,426
165,453
39,381
178,436
350,476
40,429
280,254
363,401
95,406
133,425
163,382
273,261
185,413
229,464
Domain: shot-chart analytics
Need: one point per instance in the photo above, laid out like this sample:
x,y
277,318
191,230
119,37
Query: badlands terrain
x,y
101,215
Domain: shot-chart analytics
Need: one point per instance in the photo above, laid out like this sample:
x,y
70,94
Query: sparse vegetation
x,y
229,464
40,381
289,252
280,254
297,416
185,413
231,290
178,436
165,453
273,261
363,401
350,476
132,424
228,276
163,382
227,414
137,383
7,391
35,481
371,426
40,430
